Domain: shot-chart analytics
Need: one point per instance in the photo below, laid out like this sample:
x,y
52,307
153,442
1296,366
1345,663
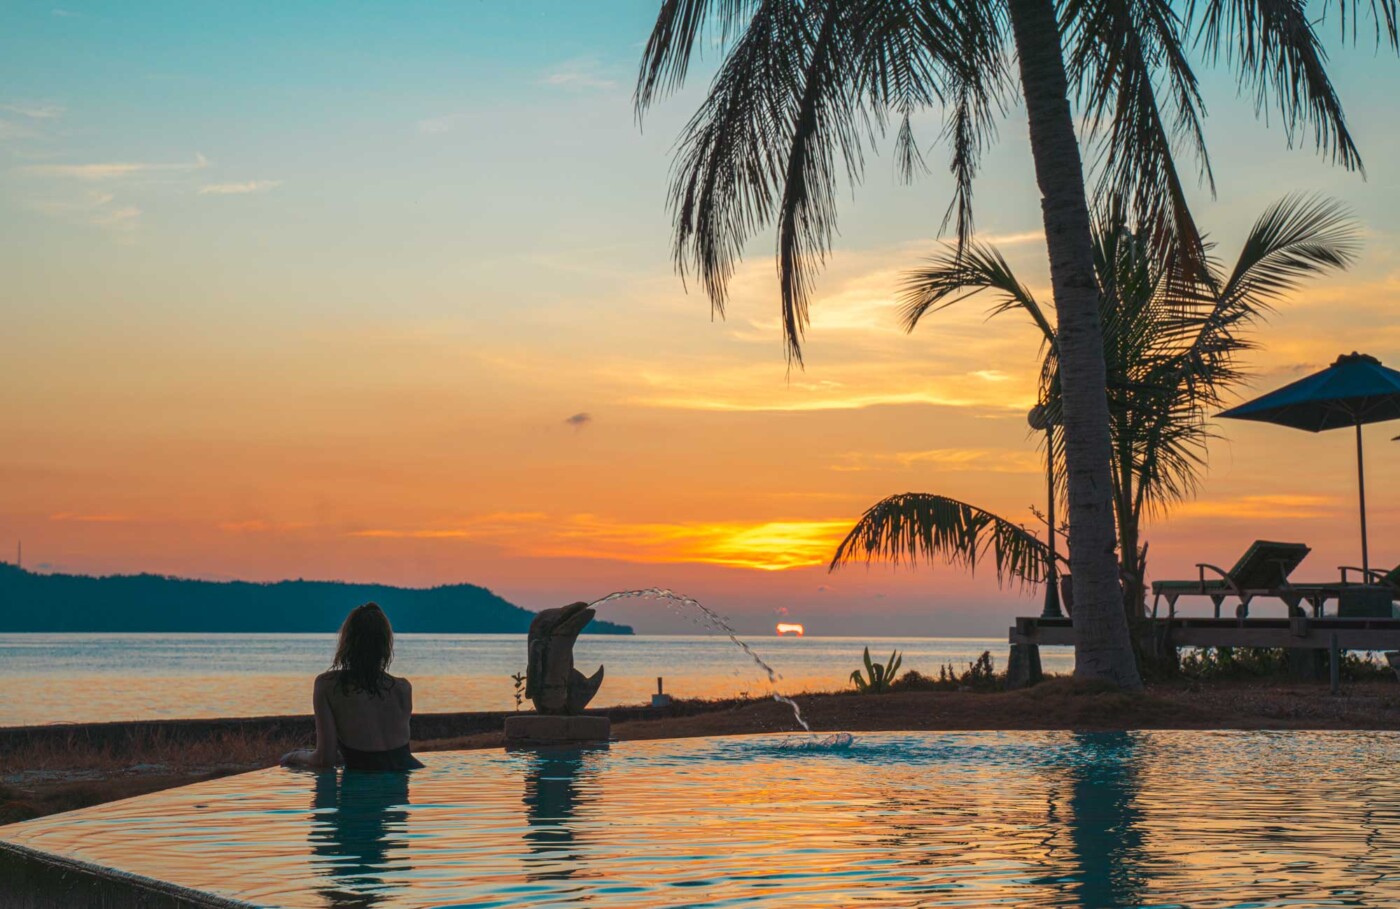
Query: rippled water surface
x,y
1156,819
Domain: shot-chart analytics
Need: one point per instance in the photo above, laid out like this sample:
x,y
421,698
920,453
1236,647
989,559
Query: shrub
x,y
980,675
878,678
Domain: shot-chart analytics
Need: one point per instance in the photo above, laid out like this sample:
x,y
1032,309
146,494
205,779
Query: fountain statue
x,y
558,690
552,683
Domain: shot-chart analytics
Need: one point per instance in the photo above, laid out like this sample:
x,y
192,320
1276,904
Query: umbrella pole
x,y
1361,485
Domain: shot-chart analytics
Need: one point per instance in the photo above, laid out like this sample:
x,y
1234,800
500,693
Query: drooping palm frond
x,y
1275,50
729,166
1121,55
978,79
954,275
918,527
682,27
805,89
828,118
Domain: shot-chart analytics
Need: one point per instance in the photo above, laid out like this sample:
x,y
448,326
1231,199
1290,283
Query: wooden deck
x,y
1302,632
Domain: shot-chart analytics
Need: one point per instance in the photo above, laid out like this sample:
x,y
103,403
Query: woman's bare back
x,y
364,721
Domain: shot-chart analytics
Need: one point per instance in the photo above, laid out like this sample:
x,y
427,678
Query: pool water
x,y
1200,819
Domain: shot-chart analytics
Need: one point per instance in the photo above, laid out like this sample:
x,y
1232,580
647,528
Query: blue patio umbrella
x,y
1353,391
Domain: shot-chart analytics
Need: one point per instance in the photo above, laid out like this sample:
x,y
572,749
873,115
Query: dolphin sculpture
x,y
551,681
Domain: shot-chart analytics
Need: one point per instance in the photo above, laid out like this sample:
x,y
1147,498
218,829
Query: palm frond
x,y
1276,51
1297,238
730,164
1118,53
826,120
919,527
954,275
679,33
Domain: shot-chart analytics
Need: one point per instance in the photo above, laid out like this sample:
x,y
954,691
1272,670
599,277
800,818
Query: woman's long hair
x,y
366,647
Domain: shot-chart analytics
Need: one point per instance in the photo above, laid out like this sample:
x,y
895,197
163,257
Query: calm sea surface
x,y
77,678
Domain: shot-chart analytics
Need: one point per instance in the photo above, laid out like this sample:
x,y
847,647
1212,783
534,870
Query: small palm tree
x,y
1171,348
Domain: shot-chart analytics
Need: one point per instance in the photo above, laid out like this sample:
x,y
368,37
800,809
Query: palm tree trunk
x,y
1103,649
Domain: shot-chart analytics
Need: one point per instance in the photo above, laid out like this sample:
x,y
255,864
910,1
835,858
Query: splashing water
x,y
711,620
837,741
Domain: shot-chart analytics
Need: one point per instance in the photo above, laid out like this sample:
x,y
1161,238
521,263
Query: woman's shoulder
x,y
327,678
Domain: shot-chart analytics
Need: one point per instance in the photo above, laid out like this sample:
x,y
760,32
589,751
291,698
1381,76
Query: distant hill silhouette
x,y
148,602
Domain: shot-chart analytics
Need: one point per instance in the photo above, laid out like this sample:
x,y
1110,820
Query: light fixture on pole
x,y
1040,420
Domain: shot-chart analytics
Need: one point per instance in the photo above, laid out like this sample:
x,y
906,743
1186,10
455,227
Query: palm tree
x,y
1171,347
807,87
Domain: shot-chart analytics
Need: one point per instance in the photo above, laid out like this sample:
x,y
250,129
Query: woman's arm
x,y
327,752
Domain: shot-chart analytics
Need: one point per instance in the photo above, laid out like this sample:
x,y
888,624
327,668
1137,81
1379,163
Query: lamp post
x,y
1039,420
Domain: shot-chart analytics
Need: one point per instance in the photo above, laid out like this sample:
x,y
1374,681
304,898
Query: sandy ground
x,y
37,784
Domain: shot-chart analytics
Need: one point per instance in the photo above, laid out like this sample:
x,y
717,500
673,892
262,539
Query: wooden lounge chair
x,y
1358,594
1389,579
1262,571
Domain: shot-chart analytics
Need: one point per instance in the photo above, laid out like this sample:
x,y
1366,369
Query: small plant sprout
x,y
519,680
878,678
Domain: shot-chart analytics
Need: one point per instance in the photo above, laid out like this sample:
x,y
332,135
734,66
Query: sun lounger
x,y
1358,594
1389,579
1261,572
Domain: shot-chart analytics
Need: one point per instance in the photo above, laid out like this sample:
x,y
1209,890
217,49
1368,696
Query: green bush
x,y
1210,663
980,675
1206,663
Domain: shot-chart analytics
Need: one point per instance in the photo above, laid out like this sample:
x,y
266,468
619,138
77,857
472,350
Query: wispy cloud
x,y
580,73
1012,239
64,13
10,129
579,420
109,170
91,518
435,125
238,189
261,526
98,209
34,111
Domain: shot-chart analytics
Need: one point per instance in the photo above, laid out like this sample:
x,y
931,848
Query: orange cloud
x,y
1252,508
91,518
951,459
767,546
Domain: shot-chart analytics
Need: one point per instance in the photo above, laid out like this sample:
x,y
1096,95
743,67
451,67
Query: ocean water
x,y
76,678
1209,820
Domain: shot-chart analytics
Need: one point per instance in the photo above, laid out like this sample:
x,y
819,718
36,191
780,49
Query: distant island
x,y
153,603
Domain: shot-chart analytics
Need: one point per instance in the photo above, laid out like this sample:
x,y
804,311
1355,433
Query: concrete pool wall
x,y
30,879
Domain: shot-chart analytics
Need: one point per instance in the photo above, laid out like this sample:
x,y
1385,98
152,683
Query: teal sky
x,y
282,276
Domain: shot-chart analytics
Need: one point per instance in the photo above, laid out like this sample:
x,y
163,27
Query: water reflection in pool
x,y
358,836
985,819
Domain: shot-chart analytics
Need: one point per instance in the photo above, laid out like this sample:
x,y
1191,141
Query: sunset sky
x,y
383,292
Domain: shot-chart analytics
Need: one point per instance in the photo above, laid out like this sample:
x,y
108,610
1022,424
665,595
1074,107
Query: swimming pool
x,y
1205,819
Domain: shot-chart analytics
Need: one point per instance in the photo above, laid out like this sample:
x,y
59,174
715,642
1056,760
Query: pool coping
x,y
41,880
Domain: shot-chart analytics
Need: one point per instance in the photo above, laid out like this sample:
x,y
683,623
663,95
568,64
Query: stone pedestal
x,y
1307,665
539,729
1023,666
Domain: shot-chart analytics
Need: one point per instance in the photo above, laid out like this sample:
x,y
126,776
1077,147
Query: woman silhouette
x,y
362,712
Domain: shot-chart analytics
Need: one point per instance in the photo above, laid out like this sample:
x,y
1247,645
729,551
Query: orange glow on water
x,y
791,628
